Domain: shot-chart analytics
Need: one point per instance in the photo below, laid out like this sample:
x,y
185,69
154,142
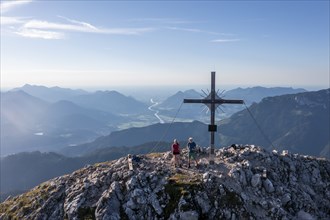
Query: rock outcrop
x,y
246,182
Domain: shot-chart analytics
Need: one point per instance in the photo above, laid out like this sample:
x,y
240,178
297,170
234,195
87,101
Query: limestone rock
x,y
256,180
268,185
245,181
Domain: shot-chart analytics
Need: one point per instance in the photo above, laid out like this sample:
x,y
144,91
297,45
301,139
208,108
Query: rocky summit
x,y
245,182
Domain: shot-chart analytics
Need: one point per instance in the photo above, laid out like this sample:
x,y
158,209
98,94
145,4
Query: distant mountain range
x,y
111,101
50,94
199,112
108,101
257,93
48,119
29,123
297,122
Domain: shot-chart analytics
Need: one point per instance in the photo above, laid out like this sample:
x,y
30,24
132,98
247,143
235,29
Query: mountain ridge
x,y
246,182
282,118
23,171
50,94
249,95
298,122
110,101
137,136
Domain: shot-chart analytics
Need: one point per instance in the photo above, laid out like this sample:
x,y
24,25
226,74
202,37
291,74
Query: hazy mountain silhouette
x,y
111,101
20,109
19,113
257,93
198,111
174,101
170,106
50,94
67,115
29,123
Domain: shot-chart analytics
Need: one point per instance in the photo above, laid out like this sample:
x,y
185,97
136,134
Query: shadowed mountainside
x,y
23,171
298,122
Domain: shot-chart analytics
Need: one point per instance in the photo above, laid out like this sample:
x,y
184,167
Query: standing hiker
x,y
192,151
176,153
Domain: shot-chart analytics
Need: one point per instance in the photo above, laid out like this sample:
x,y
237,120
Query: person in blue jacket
x,y
192,149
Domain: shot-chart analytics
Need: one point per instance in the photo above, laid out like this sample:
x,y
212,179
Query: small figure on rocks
x,y
192,151
176,153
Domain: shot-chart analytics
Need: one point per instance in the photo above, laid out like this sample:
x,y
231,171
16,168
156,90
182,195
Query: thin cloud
x,y
34,33
195,30
185,29
85,24
52,30
225,40
38,24
162,20
9,5
12,20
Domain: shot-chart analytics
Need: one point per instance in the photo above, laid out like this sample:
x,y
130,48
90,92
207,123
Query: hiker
x,y
176,153
192,151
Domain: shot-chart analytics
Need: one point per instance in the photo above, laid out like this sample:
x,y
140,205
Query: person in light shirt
x,y
192,148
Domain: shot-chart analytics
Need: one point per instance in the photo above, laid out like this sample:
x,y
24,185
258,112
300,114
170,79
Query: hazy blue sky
x,y
107,43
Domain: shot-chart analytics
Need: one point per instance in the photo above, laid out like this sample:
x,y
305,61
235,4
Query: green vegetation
x,y
155,155
180,184
86,213
21,205
138,121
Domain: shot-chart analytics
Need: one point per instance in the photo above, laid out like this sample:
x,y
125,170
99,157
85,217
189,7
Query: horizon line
x,y
184,86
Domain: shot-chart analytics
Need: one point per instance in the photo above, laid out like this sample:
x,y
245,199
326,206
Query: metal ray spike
x,y
204,92
205,108
222,93
221,110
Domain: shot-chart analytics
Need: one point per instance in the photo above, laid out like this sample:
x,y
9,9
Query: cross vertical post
x,y
213,108
213,101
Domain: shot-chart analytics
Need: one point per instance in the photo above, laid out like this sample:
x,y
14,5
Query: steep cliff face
x,y
246,182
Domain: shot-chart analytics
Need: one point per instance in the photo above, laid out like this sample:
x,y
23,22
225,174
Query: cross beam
x,y
213,101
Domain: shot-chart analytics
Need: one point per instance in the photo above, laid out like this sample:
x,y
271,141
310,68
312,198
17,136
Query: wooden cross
x,y
212,101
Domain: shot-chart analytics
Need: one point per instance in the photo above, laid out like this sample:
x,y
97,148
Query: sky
x,y
81,44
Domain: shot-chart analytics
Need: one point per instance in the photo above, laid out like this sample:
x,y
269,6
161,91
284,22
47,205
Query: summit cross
x,y
212,101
